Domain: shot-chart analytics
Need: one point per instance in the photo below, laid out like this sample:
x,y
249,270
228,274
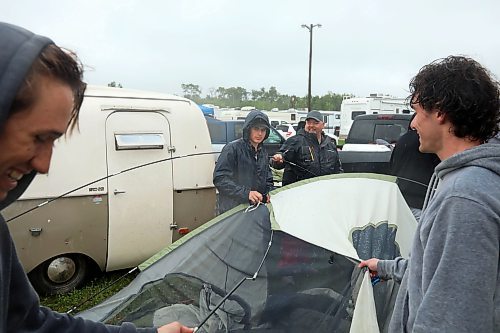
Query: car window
x,y
274,137
389,133
361,132
217,132
283,128
238,130
367,131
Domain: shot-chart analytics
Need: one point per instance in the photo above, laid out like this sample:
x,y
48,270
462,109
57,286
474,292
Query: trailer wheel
x,y
60,274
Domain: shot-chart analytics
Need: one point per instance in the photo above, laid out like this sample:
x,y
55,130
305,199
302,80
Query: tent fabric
x,y
337,204
317,231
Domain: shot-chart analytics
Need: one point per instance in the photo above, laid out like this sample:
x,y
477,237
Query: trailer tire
x,y
60,274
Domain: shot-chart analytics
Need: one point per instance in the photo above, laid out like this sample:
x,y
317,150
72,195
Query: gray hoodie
x,y
451,283
20,310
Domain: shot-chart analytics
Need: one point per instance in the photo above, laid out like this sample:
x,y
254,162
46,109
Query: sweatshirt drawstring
x,y
431,190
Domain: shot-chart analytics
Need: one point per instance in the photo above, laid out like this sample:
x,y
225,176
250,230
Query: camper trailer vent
x,y
139,141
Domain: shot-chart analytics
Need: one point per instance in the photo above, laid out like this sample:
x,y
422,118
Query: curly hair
x,y
60,64
464,91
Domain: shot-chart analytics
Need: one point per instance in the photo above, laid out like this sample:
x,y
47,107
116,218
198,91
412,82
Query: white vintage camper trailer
x,y
116,222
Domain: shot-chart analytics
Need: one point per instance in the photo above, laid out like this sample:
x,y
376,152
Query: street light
x,y
310,27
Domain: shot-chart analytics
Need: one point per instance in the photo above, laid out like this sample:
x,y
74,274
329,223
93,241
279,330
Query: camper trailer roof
x,y
102,91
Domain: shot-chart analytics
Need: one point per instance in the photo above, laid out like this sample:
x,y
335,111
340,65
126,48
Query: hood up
x,y
252,117
20,48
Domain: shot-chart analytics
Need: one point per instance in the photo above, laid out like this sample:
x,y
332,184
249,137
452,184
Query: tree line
x,y
264,99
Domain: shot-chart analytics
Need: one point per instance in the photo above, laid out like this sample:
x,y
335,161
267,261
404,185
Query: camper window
x,y
139,141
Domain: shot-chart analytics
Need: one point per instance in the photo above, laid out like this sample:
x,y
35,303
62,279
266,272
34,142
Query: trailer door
x,y
140,200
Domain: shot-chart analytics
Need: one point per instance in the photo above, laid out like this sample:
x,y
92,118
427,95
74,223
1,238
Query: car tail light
x,y
385,116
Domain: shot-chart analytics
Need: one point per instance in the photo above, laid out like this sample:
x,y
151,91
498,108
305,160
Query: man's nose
x,y
412,124
41,161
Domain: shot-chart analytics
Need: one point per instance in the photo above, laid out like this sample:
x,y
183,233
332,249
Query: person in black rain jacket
x,y
310,153
413,169
242,173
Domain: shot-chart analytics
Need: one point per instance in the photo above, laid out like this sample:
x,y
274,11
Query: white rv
x,y
332,122
282,117
352,107
120,221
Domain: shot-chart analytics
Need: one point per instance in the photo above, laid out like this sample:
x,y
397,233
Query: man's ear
x,y
440,116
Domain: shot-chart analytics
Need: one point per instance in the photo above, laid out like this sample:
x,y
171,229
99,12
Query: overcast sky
x,y
363,46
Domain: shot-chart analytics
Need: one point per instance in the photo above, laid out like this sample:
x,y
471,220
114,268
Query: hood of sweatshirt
x,y
485,156
20,48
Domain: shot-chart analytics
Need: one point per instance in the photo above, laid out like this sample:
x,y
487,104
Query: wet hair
x,y
464,91
53,62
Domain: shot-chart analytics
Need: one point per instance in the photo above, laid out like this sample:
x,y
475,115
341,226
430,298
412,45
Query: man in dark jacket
x,y
41,90
242,173
310,153
413,169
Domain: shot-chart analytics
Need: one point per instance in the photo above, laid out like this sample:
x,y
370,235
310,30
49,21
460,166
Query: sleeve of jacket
x,y
460,269
224,174
392,269
26,315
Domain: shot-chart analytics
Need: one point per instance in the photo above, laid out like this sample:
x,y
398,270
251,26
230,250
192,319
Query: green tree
x,y
258,95
191,91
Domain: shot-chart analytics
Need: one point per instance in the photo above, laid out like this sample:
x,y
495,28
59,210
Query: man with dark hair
x,y
41,90
413,169
451,282
242,173
309,153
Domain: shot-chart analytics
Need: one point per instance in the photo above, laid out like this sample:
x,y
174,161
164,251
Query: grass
x,y
64,302
341,142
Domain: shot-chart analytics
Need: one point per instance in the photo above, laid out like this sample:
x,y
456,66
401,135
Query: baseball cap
x,y
316,115
259,122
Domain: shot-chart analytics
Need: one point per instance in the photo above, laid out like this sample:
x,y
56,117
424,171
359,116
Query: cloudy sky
x,y
362,47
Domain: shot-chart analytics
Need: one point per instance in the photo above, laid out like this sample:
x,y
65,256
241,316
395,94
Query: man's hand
x,y
175,327
278,158
371,264
254,197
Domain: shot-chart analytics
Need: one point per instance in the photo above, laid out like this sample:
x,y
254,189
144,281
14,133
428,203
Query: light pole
x,y
310,27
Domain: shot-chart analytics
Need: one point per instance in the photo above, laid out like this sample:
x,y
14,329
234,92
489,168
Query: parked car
x,y
286,130
222,132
